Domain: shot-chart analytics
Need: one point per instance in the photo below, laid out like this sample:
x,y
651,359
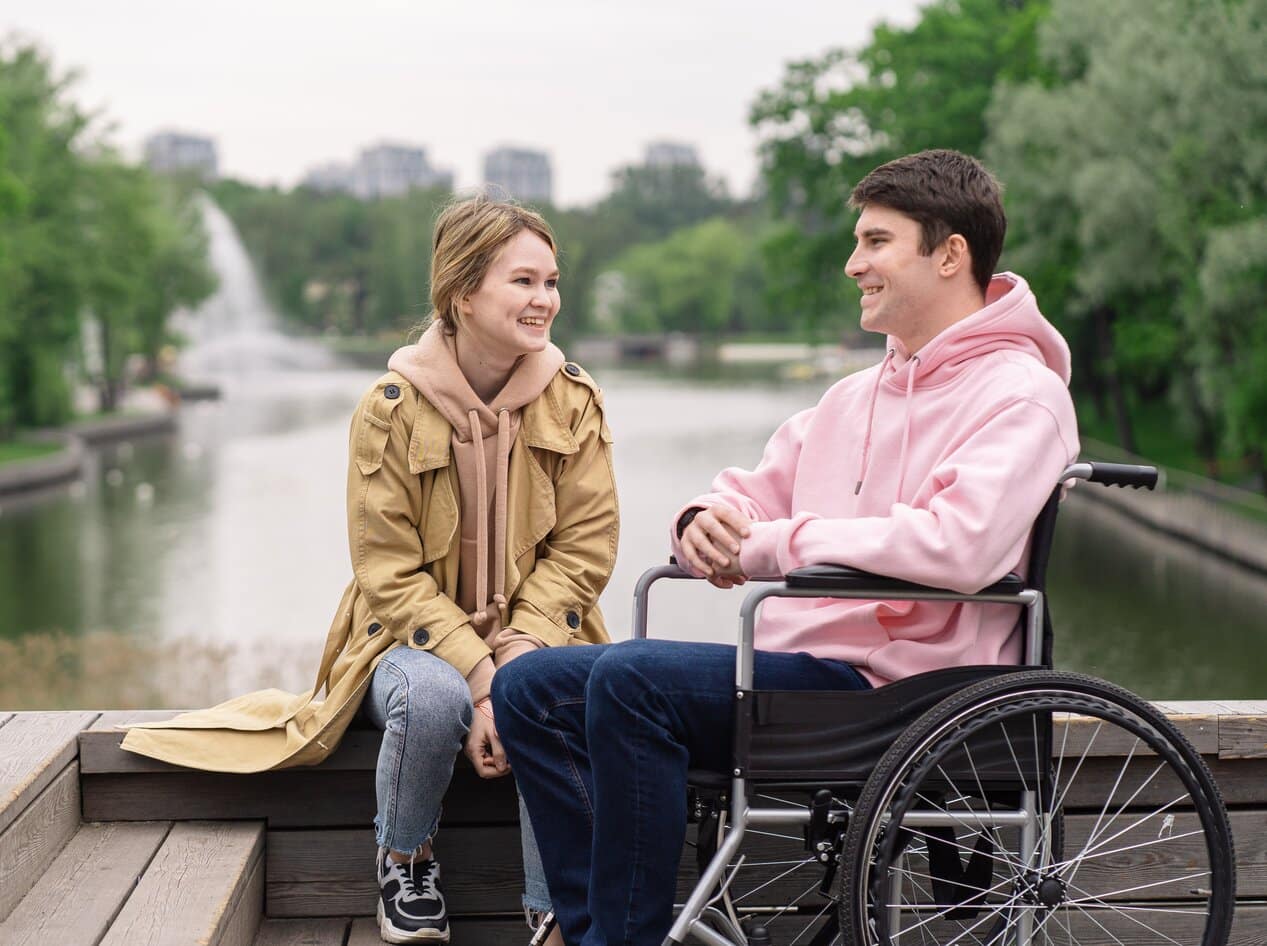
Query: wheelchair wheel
x,y
1039,808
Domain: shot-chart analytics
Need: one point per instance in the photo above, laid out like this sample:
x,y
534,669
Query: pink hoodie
x,y
930,468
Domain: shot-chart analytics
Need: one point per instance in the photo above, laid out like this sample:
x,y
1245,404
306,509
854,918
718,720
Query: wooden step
x,y
39,796
330,931
80,891
205,885
34,749
121,786
469,931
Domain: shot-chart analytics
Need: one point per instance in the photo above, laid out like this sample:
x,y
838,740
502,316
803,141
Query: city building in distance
x,y
383,170
670,154
173,152
521,173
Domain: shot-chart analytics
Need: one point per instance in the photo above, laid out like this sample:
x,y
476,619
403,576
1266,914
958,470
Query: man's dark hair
x,y
945,192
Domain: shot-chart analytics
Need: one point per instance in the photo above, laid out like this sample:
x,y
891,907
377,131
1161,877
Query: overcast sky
x,y
285,84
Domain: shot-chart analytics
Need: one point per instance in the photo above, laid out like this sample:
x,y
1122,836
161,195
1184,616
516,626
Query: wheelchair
x,y
975,805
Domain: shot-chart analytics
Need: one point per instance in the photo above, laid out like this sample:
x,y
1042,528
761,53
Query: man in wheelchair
x,y
930,467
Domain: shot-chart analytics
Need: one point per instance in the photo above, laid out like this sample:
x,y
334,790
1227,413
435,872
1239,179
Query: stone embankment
x,y
67,464
1225,521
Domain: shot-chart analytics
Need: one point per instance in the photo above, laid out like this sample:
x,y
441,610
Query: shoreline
x,y
67,464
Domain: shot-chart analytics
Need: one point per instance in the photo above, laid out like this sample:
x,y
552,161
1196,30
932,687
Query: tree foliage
x,y
338,264
83,238
1137,187
699,280
832,119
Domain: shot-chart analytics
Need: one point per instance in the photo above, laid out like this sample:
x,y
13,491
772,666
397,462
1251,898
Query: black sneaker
x,y
410,902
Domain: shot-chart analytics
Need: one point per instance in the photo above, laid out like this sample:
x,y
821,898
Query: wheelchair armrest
x,y
843,578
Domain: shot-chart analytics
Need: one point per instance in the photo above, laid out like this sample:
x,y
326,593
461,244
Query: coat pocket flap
x,y
371,443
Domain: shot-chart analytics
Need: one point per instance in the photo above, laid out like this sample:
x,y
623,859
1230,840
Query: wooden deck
x,y
98,846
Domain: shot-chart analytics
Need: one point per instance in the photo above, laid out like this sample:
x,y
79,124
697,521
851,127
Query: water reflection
x,y
227,578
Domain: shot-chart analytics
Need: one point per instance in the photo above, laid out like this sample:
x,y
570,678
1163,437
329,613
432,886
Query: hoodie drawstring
x,y
499,516
912,365
866,441
499,522
906,427
481,519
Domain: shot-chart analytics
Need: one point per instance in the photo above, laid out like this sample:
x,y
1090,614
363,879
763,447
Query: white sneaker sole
x,y
392,934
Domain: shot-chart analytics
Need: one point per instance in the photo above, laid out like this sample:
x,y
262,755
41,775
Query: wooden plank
x,y
331,873
34,749
35,837
338,798
307,932
95,872
1086,735
191,889
1133,854
100,751
1249,928
468,931
1243,737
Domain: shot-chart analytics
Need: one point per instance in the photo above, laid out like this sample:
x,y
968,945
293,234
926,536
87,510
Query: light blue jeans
x,y
423,706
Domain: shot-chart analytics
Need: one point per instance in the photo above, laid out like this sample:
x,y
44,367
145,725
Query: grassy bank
x,y
15,451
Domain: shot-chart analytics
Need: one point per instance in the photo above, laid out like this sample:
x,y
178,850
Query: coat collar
x,y
542,425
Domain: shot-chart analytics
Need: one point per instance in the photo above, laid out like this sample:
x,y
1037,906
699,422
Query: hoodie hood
x,y
431,366
1009,321
483,434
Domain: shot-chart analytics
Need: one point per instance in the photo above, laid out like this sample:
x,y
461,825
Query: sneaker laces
x,y
419,886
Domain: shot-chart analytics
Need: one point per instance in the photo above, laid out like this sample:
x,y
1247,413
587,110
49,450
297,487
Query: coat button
x,y
391,392
573,370
574,620
375,628
421,637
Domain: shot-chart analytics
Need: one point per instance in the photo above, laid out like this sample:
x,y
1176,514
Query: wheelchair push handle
x,y
1114,474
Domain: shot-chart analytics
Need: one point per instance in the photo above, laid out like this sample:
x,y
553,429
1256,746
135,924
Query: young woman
x,y
483,524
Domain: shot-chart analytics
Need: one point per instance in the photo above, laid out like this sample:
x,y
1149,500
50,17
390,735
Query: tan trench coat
x,y
404,534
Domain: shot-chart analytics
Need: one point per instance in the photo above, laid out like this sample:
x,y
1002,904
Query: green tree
x,y
832,119
690,282
1132,173
80,233
41,179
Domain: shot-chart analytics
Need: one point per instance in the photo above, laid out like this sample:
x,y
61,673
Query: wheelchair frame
x,y
697,917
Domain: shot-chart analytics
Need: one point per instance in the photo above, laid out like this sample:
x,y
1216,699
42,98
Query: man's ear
x,y
955,255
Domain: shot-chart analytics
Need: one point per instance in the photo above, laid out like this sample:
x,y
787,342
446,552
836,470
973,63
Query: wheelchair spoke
x,y
1086,856
1076,862
1112,793
1126,804
774,834
1100,899
1089,914
1011,750
945,909
1107,932
810,925
772,880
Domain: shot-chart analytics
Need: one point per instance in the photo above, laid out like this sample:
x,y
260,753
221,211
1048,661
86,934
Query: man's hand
x,y
483,747
711,545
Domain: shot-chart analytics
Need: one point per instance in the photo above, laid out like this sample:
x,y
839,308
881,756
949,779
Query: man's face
x,y
899,284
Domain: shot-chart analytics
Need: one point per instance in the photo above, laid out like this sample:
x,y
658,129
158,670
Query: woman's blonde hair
x,y
468,236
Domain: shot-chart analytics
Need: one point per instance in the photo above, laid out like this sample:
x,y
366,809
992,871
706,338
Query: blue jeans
x,y
600,739
423,706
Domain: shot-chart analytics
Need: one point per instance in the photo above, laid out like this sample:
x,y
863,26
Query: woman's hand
x,y
483,747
